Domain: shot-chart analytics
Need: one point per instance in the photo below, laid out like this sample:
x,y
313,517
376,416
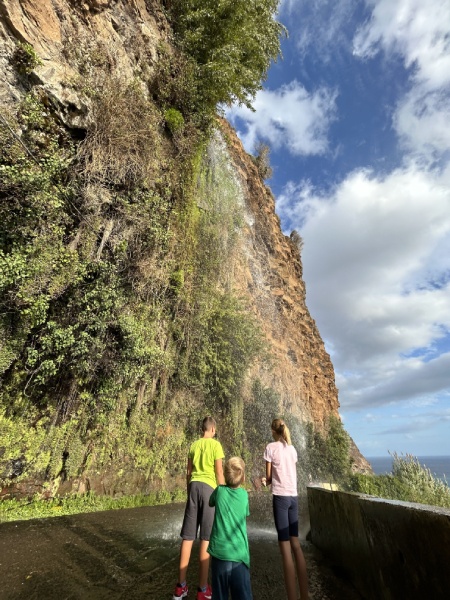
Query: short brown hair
x,y
208,423
234,471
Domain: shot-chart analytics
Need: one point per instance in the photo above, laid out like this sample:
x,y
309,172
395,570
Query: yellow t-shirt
x,y
203,453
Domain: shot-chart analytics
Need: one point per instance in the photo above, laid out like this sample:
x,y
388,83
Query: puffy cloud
x,y
289,116
417,31
372,278
422,121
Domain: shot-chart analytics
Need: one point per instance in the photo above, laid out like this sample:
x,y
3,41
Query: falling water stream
x,y
133,554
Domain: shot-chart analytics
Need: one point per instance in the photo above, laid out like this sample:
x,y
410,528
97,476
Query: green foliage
x,y
115,296
226,343
408,482
259,412
175,82
35,262
327,453
174,120
232,43
22,447
15,510
25,58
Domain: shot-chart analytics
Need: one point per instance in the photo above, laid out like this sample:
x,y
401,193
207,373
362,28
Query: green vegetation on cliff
x,y
119,327
409,482
232,43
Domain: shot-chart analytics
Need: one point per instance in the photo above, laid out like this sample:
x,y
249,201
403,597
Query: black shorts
x,y
285,513
198,513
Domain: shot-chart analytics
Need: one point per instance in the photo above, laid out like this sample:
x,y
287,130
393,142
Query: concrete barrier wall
x,y
390,550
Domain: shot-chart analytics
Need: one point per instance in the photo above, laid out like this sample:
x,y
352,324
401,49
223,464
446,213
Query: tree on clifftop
x,y
233,43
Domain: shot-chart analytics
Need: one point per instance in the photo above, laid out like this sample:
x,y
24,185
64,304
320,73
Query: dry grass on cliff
x,y
123,142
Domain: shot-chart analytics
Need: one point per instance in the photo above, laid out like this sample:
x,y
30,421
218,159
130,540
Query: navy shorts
x,y
228,576
198,513
285,513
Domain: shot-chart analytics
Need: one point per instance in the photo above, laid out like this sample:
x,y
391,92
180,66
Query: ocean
x,y
438,465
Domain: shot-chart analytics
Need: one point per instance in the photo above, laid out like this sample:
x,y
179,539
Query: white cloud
x,y
322,28
422,121
419,32
368,256
289,116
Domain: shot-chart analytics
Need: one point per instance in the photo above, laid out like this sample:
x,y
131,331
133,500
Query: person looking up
x,y
281,472
228,546
204,472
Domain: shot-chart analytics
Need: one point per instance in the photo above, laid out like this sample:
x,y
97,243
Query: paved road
x,y
132,554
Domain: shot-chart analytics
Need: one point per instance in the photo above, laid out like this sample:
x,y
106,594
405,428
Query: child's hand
x,y
264,481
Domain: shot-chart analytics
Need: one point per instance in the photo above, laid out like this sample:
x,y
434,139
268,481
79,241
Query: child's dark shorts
x,y
198,513
285,513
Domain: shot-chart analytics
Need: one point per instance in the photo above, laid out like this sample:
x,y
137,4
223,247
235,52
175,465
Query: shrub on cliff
x,y
233,43
409,482
327,456
262,160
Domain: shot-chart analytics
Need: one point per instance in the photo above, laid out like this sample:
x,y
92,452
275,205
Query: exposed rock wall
x,y
270,274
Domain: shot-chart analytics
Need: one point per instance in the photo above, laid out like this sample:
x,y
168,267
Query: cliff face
x,y
125,37
270,273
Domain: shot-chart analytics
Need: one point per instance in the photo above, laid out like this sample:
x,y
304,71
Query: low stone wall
x,y
390,550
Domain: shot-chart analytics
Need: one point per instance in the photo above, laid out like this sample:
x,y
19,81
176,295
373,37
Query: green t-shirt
x,y
203,453
229,539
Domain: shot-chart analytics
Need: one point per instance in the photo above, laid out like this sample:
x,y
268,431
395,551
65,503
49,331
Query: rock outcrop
x,y
271,275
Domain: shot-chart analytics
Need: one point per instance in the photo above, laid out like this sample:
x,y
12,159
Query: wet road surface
x,y
132,554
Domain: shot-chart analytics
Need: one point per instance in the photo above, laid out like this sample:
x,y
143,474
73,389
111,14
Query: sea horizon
x,y
439,464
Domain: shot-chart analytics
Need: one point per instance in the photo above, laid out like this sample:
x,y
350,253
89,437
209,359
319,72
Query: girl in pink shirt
x,y
281,473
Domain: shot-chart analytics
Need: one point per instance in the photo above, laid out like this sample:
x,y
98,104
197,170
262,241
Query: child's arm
x,y
267,480
188,473
212,498
218,468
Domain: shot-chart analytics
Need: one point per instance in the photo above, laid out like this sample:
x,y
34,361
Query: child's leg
x,y
206,519
203,563
300,564
220,578
185,555
240,585
290,580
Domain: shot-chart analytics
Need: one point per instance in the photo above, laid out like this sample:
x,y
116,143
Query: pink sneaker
x,y
180,592
207,595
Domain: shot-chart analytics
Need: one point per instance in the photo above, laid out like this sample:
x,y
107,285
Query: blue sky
x,y
357,117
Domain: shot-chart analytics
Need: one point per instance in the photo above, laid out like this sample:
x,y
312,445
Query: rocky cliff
x,y
82,60
270,273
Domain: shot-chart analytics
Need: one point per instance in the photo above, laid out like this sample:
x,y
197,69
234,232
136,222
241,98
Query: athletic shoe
x,y
180,592
204,595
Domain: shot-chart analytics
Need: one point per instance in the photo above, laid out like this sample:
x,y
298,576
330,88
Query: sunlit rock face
x,y
269,273
267,270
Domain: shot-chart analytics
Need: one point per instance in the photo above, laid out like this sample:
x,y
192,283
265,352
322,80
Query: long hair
x,y
282,430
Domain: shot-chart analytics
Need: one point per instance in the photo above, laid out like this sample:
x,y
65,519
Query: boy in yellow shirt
x,y
203,473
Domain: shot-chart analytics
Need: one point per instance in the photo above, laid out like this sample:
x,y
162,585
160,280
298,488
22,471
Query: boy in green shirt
x,y
203,473
228,545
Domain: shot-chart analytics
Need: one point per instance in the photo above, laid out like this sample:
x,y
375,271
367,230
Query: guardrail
x,y
389,550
